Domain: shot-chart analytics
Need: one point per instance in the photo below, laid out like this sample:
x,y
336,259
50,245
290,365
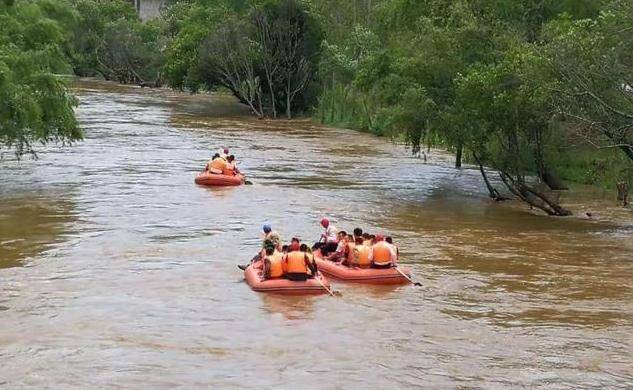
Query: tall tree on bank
x,y
274,47
36,105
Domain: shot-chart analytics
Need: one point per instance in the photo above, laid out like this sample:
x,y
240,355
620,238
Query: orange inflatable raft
x,y
215,180
362,275
284,286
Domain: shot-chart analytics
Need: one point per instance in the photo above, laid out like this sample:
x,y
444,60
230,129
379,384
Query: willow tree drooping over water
x,y
35,103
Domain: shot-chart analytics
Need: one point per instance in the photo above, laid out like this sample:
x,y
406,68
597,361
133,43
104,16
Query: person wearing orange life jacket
x,y
329,237
382,254
230,169
273,264
297,264
217,165
389,241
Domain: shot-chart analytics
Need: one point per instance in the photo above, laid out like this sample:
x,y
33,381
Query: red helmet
x,y
325,222
380,237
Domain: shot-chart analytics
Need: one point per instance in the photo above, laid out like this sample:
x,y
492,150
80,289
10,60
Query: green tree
x,y
35,103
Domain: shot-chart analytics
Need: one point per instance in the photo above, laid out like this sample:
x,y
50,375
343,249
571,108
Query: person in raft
x,y
273,264
382,254
389,241
231,166
217,165
348,257
271,238
298,264
224,153
361,254
342,248
329,237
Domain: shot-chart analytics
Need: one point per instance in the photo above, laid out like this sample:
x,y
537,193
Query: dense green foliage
x,y
538,90
530,88
35,105
266,53
110,40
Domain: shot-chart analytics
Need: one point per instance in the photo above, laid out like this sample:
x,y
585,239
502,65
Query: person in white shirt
x,y
328,237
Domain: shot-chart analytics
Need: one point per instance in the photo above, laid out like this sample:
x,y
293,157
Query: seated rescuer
x,y
206,167
341,248
297,264
350,249
382,254
217,165
273,264
270,238
366,239
229,168
304,248
361,253
329,237
358,232
389,241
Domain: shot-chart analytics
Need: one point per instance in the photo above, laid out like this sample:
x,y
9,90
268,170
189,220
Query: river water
x,y
116,271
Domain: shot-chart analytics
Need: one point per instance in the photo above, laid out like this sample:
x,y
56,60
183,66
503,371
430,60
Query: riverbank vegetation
x,y
538,91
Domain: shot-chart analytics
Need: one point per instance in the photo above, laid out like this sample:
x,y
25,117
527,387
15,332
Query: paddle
x,y
325,287
248,182
408,278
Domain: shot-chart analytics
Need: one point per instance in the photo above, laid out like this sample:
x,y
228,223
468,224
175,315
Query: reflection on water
x,y
142,289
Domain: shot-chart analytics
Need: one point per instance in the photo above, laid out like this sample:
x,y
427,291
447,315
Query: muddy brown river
x,y
116,271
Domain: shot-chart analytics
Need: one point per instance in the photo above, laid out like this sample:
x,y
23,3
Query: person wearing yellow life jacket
x,y
361,254
297,264
273,264
382,254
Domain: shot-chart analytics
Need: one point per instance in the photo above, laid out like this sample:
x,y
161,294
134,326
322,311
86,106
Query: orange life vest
x,y
381,253
276,265
296,263
362,258
217,166
229,169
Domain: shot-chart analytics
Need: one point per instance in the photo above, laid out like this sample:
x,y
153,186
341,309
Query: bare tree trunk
x,y
531,196
623,193
492,191
288,110
458,155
